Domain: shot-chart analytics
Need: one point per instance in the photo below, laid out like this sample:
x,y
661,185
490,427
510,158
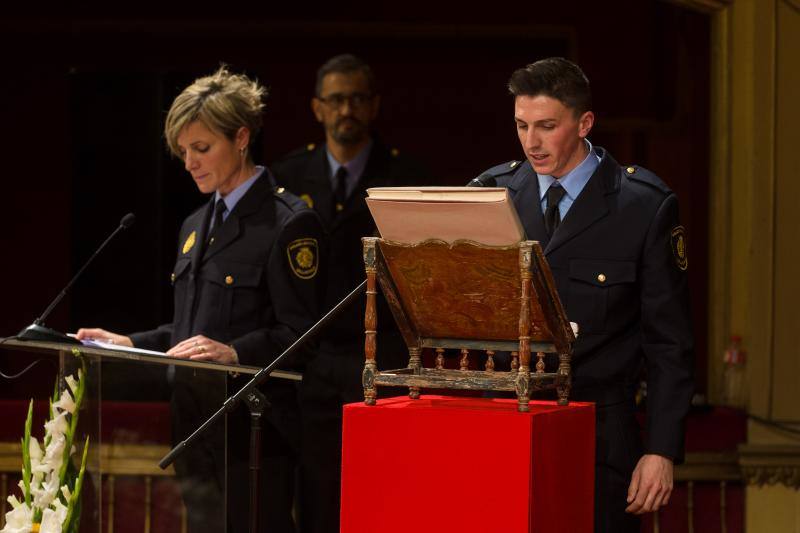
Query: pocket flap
x,y
602,272
230,274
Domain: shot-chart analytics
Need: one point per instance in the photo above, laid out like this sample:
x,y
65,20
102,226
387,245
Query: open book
x,y
415,214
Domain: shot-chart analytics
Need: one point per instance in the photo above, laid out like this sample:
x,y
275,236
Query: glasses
x,y
337,100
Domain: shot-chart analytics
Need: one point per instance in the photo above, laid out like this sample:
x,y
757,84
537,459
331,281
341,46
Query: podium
x,y
468,296
467,465
125,375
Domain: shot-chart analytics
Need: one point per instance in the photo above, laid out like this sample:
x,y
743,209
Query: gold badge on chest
x,y
189,243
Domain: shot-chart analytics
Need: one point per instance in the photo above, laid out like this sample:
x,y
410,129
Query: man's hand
x,y
201,348
651,484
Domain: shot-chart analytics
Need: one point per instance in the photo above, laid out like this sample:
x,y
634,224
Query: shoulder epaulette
x,y
290,200
300,151
505,168
641,174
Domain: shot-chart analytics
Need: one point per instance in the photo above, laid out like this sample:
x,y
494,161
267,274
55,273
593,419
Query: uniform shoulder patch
x,y
642,175
678,241
188,244
303,255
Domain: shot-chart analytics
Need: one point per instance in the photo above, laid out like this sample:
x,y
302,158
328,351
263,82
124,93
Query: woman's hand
x,y
103,336
201,348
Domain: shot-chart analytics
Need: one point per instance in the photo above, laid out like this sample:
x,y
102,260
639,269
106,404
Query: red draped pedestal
x,y
441,464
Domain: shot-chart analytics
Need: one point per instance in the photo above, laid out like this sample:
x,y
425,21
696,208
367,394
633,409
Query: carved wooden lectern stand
x,y
468,296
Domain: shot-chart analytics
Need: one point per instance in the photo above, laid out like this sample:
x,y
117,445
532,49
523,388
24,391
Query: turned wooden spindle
x,y
490,360
440,358
540,363
370,325
464,362
414,363
514,361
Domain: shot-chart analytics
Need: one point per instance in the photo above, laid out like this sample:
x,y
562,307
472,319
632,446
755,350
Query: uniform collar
x,y
576,179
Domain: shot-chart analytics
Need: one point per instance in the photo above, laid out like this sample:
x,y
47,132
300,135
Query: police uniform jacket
x,y
253,286
306,172
619,262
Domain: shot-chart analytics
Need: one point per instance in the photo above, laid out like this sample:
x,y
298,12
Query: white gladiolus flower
x,y
66,492
57,426
48,492
65,403
35,450
53,519
19,519
73,384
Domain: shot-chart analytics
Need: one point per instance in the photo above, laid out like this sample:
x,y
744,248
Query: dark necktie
x,y
340,194
219,209
552,216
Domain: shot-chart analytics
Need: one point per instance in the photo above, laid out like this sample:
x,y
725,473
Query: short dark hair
x,y
345,64
557,78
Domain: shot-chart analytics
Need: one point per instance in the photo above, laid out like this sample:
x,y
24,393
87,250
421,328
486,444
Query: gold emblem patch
x,y
303,257
307,199
679,247
189,242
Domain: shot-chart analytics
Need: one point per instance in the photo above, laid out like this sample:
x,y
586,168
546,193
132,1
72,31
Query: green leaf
x,y
73,517
70,435
26,454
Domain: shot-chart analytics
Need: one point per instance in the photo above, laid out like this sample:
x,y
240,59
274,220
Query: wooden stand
x,y
468,296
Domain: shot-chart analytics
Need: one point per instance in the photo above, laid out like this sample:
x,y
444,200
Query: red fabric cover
x,y
467,464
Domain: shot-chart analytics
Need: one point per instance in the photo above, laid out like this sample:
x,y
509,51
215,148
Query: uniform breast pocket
x,y
600,291
235,291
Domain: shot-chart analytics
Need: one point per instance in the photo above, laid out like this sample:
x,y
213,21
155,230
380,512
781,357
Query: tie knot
x,y
220,208
554,194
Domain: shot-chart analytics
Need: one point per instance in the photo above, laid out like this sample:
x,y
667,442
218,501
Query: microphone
x,y
484,180
38,331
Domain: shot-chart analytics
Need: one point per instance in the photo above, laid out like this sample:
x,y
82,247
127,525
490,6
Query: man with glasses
x,y
332,178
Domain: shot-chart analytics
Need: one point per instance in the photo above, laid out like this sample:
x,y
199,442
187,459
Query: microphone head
x,y
484,180
127,221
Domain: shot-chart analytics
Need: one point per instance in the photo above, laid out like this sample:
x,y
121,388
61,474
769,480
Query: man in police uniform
x,y
617,251
333,178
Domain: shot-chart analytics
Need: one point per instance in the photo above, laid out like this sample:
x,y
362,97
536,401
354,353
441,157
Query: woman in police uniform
x,y
245,285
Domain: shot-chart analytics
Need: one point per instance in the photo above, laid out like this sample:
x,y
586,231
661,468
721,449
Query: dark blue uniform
x,y
255,287
333,377
619,262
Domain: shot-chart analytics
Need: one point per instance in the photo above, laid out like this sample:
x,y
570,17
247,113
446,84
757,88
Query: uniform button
x,y
310,146
211,241
281,190
630,170
601,278
339,207
228,280
513,164
172,277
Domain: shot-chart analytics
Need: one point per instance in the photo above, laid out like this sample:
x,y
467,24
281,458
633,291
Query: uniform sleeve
x,y
294,280
666,333
156,339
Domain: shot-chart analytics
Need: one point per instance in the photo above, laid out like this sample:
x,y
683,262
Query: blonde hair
x,y
223,102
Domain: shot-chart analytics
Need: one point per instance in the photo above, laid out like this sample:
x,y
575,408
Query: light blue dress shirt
x,y
233,197
355,168
573,181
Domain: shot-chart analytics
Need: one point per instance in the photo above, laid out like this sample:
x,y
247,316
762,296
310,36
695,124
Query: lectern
x,y
468,296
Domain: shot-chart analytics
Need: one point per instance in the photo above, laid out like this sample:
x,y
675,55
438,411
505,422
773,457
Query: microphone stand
x,y
257,403
38,331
